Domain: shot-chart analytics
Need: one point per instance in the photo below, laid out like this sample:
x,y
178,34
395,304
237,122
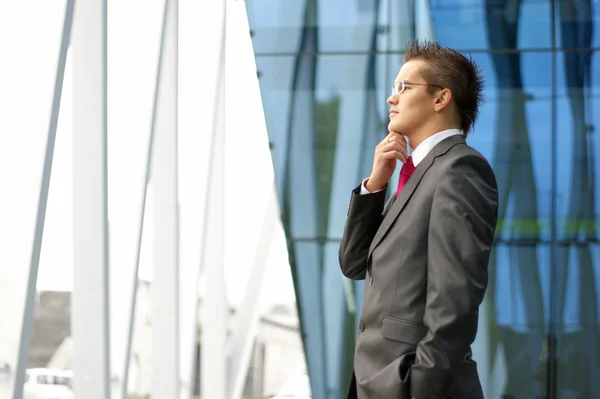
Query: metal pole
x,y
131,321
27,325
214,306
165,286
90,299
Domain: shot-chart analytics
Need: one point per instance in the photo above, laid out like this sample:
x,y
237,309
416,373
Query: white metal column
x,y
165,287
150,154
90,302
247,316
11,380
214,307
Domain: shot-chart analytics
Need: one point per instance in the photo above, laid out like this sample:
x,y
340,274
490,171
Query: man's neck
x,y
415,139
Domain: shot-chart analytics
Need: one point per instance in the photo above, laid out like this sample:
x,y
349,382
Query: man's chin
x,y
394,127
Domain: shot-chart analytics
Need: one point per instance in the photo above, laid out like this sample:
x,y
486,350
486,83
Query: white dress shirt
x,y
420,152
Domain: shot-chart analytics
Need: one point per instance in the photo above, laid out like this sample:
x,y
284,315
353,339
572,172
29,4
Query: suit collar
x,y
430,143
398,204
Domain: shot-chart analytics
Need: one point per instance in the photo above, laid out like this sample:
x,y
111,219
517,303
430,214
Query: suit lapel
x,y
388,205
399,203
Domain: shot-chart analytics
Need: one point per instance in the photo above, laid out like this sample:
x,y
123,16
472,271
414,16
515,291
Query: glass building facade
x,y
326,69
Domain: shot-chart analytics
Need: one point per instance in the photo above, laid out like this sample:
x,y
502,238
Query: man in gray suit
x,y
424,253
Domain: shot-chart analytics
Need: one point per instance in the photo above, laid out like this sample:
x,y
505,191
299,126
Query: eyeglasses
x,y
400,86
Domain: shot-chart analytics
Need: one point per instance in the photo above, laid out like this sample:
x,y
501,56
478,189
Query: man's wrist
x,y
373,186
363,189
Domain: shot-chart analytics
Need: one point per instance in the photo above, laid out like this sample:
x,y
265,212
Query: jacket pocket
x,y
405,331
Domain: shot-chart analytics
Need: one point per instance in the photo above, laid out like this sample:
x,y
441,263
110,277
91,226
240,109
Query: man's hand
x,y
387,153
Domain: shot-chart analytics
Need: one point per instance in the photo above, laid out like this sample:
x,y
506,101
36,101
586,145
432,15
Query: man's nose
x,y
393,99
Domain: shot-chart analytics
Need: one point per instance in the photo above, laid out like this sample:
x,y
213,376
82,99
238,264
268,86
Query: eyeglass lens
x,y
398,88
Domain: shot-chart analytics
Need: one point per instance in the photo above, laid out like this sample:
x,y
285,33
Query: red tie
x,y
407,170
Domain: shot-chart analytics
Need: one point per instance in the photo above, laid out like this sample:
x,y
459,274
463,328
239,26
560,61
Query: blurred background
x,y
175,177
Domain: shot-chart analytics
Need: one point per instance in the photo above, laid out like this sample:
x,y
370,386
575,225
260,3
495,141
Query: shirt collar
x,y
427,145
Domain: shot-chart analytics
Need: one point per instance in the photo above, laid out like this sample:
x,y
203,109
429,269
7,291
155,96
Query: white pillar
x,y
20,289
245,328
90,302
214,304
131,302
165,286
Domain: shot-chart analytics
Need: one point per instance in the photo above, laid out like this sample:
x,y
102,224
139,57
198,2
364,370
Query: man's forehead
x,y
410,71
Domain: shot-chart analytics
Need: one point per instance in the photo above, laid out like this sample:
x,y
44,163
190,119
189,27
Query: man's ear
x,y
442,99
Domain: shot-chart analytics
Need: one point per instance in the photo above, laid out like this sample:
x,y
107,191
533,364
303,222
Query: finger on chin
x,y
400,136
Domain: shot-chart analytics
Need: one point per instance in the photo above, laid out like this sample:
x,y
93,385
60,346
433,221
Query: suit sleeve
x,y
364,217
461,231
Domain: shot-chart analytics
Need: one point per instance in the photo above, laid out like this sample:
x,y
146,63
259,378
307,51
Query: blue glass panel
x,y
326,111
514,132
355,29
306,271
474,25
324,115
578,346
575,24
510,341
577,267
335,313
277,26
360,85
276,80
577,145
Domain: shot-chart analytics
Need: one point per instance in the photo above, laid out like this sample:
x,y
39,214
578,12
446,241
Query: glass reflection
x,y
326,112
319,151
276,26
576,312
576,305
513,164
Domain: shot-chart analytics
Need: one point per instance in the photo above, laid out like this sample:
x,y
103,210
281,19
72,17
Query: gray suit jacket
x,y
425,256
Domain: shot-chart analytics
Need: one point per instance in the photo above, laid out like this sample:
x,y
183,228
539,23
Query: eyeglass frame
x,y
405,83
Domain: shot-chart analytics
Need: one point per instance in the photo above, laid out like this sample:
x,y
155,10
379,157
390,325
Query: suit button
x,y
361,326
